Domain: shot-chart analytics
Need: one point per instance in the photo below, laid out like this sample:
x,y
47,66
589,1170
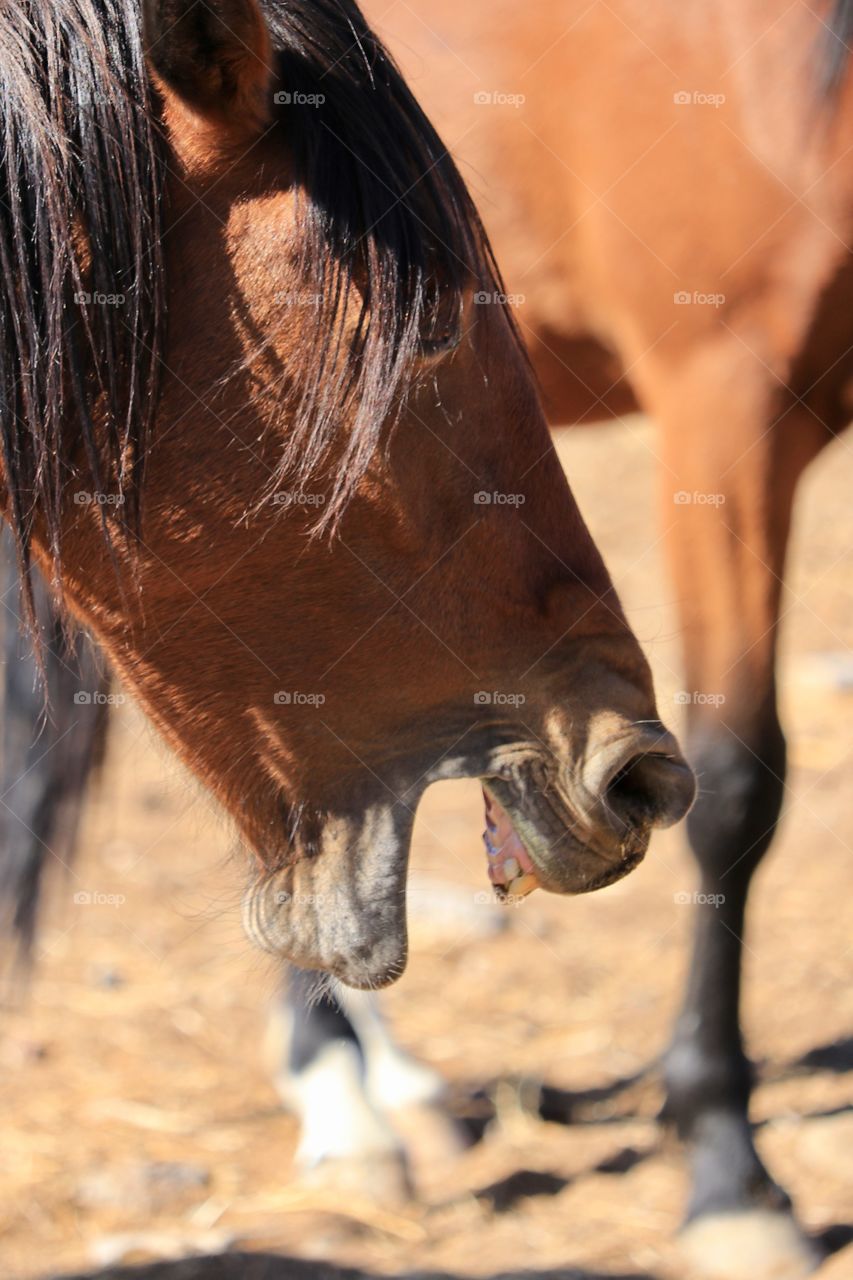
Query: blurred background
x,y
140,1120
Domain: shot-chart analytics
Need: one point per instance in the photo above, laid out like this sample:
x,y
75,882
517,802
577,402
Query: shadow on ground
x,y
476,1110
523,1184
836,1056
266,1266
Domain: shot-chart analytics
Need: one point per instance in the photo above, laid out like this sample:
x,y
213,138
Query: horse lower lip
x,y
550,855
617,871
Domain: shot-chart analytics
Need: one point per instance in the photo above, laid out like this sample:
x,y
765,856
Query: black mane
x,y
386,210
384,216
79,215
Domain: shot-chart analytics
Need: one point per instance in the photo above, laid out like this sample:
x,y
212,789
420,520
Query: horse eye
x,y
441,344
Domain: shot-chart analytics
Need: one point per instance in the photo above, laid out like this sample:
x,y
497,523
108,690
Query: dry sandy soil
x,y
140,1041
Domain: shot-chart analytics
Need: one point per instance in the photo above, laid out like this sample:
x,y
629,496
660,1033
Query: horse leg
x,y
394,1079
319,1070
54,725
730,484
412,1095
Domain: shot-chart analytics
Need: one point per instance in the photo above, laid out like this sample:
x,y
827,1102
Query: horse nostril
x,y
650,789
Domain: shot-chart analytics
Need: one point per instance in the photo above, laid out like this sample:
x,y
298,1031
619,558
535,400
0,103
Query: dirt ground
x,y
140,1042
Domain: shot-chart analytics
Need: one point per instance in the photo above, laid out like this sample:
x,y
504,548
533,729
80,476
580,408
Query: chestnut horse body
x,y
670,196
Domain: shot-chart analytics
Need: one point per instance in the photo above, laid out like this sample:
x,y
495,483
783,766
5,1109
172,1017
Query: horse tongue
x,y
511,870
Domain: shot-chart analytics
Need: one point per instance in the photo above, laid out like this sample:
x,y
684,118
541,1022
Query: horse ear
x,y
216,57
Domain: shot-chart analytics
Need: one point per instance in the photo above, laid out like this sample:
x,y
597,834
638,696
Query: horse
x,y
667,191
264,445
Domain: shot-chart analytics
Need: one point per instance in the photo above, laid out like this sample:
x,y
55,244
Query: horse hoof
x,y
752,1245
432,1139
382,1177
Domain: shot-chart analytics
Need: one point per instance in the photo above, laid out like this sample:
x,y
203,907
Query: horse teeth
x,y
523,885
511,869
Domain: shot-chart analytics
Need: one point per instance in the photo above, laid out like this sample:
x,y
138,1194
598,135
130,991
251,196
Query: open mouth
x,y
340,905
343,909
512,871
535,842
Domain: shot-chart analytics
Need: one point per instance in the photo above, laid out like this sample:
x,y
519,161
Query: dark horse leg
x,y
729,478
52,737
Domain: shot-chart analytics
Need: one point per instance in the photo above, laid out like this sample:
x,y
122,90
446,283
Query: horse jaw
x,y
343,908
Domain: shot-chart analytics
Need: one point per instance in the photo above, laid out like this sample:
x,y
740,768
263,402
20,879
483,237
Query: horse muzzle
x,y
573,831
